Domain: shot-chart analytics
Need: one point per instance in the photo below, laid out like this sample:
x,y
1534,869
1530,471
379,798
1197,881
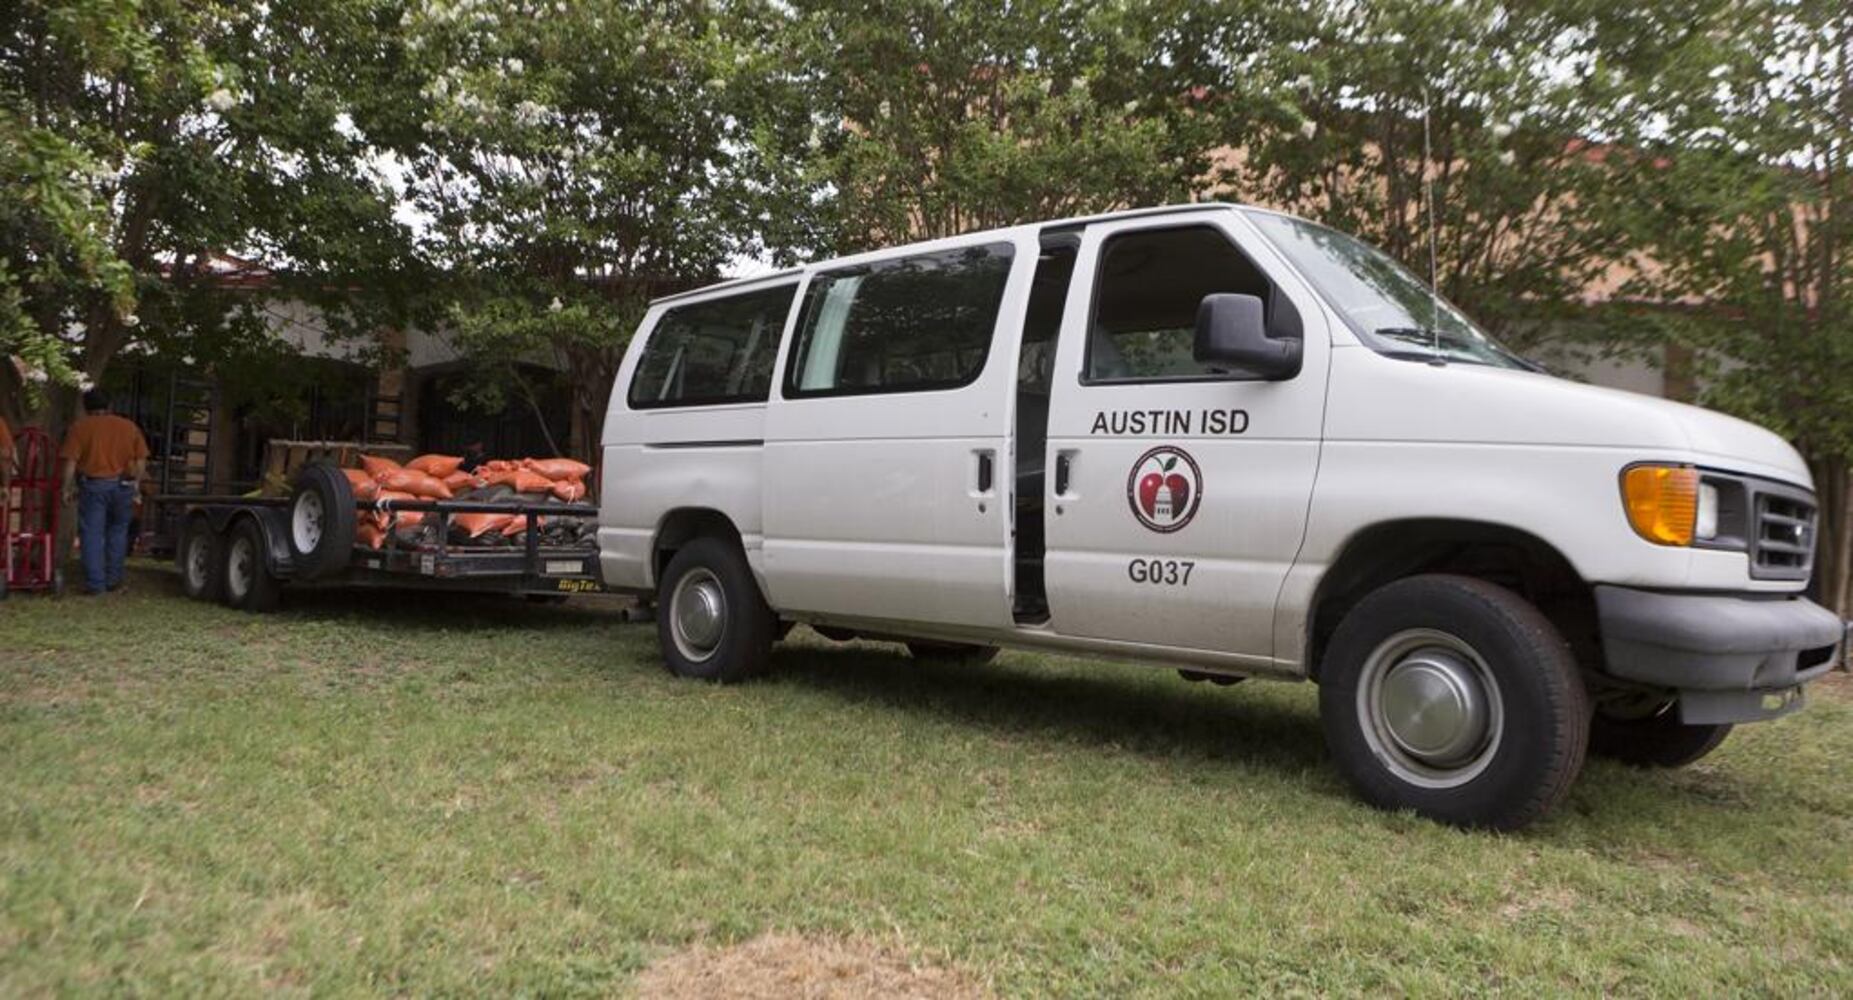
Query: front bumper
x,y
1730,658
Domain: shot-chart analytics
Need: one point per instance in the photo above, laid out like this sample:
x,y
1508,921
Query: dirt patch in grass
x,y
787,965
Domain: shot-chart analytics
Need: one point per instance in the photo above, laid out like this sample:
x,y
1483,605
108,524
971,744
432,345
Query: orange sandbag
x,y
531,482
519,526
460,480
378,467
369,534
419,484
436,465
558,468
498,465
569,490
365,486
475,525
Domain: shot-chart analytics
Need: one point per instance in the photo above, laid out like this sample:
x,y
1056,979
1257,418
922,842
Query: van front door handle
x,y
986,471
1063,459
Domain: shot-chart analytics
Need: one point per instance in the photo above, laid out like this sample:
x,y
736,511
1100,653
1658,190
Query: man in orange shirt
x,y
103,456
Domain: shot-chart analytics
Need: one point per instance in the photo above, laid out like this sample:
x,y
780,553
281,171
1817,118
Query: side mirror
x,y
1232,337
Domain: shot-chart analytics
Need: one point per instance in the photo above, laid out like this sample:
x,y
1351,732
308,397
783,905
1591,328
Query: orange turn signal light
x,y
1662,502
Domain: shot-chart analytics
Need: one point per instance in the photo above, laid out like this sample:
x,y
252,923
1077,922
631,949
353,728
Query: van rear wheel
x,y
1454,698
711,620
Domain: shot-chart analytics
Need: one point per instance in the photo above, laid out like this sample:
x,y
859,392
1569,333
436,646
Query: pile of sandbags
x,y
441,477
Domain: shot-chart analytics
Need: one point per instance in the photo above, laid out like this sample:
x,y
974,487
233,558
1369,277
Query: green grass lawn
x,y
383,792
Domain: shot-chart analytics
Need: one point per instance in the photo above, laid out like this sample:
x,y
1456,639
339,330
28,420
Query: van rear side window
x,y
718,351
905,325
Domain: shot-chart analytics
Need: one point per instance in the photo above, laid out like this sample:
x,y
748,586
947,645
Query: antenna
x,y
1428,198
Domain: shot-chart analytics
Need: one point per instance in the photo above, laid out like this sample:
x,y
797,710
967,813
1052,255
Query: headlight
x,y
1706,522
1663,502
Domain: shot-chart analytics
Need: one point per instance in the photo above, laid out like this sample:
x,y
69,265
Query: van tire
x,y
1657,740
320,522
961,653
1519,729
248,583
201,558
711,620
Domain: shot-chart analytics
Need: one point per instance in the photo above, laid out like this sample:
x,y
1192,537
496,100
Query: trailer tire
x,y
249,584
201,558
1455,698
712,621
320,521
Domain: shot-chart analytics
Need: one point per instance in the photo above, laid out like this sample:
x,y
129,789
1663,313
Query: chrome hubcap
x,y
306,522
698,614
1429,708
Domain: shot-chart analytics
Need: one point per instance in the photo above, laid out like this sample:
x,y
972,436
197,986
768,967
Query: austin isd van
x,y
1229,441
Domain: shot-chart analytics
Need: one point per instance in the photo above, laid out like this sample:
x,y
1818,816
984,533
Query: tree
x,y
1486,113
1747,177
579,159
140,138
935,119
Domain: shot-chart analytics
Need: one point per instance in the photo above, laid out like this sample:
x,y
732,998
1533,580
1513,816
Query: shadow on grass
x,y
1157,717
406,609
1010,698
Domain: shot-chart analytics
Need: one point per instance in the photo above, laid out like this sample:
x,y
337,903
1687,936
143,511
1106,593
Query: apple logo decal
x,y
1164,488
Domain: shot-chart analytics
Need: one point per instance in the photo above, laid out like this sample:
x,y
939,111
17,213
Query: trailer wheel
x,y
321,521
712,622
249,585
201,556
1454,698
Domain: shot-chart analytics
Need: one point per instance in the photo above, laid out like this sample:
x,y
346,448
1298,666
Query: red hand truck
x,y
29,518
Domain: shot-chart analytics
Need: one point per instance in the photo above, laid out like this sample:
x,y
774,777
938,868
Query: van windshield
x,y
1390,309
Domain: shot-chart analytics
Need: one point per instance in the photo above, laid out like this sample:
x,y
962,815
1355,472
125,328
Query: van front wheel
x,y
1454,698
711,620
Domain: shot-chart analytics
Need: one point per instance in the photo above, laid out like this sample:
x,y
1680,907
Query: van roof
x,y
1074,222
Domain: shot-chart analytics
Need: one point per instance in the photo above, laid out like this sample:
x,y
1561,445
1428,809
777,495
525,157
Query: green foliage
x,y
1748,208
588,154
933,119
1493,107
141,138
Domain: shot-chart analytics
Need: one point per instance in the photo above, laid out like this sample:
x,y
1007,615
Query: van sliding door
x,y
887,456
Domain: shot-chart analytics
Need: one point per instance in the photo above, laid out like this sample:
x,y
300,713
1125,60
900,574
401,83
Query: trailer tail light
x,y
1662,502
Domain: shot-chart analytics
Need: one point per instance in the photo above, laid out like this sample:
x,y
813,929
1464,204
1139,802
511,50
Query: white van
x,y
1225,440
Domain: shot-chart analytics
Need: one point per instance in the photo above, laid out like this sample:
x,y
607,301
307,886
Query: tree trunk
x,y
1834,541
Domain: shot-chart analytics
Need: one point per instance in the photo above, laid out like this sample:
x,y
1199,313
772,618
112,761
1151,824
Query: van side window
x,y
1146,293
905,325
718,351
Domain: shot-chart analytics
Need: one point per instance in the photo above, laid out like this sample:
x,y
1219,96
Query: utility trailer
x,y
242,551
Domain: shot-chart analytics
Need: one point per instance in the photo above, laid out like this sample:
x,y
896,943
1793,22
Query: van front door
x,y
888,468
1177,496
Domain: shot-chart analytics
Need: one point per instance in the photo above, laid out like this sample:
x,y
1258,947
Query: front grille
x,y
1782,539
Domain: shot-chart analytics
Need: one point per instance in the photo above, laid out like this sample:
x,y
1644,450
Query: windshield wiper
x,y
1438,342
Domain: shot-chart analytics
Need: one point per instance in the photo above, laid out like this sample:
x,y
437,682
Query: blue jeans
x,y
104,507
